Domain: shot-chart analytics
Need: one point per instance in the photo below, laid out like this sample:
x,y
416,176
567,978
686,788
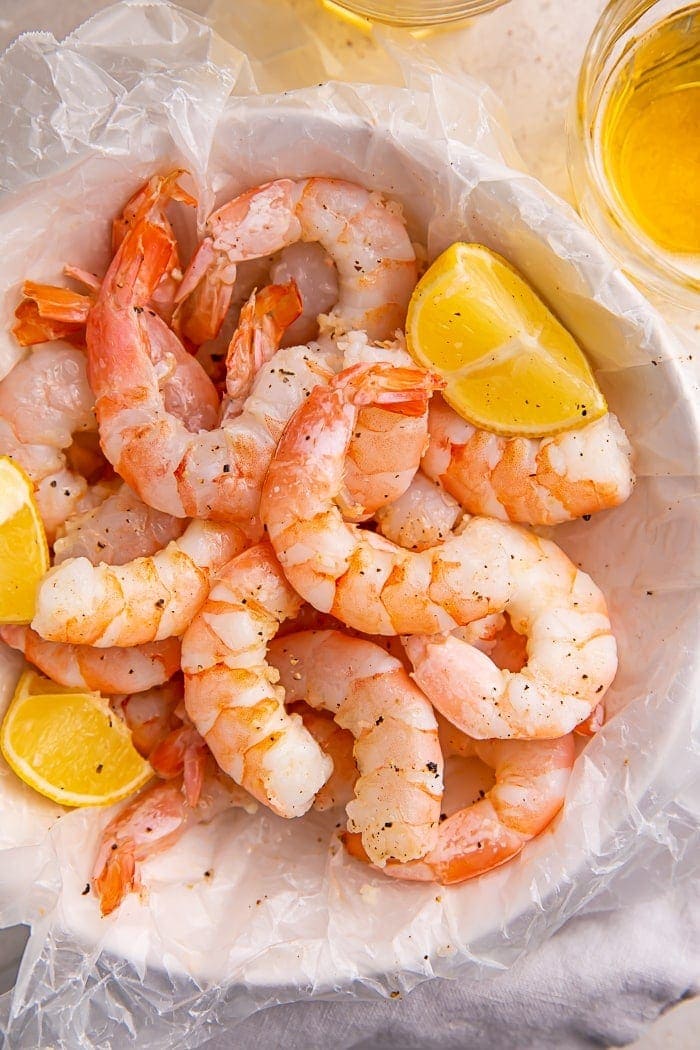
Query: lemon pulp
x,y
24,553
511,367
70,746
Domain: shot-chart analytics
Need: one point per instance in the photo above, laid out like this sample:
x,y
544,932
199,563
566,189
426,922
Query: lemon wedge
x,y
510,365
24,553
31,683
70,746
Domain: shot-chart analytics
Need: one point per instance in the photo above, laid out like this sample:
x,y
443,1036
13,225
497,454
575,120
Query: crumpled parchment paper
x,y
284,914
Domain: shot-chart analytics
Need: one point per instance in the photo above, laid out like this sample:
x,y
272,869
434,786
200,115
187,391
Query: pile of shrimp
x,y
302,579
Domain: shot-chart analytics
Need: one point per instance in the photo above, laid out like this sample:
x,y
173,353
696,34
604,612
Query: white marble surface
x,y
528,52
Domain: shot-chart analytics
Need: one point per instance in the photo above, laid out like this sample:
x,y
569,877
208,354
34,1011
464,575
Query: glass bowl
x,y
417,12
608,55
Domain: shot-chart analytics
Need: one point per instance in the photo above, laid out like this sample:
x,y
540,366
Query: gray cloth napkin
x,y
598,982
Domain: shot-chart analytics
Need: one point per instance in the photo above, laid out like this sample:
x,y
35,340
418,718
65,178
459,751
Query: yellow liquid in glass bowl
x,y
650,133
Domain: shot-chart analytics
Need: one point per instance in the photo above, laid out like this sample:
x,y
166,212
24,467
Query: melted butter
x,y
650,134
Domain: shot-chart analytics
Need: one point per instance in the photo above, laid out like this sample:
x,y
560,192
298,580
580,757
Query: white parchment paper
x,y
285,915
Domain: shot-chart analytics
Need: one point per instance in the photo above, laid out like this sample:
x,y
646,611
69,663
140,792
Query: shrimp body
x,y
230,691
212,474
144,600
531,782
104,670
485,567
150,824
540,481
44,401
364,235
422,517
571,655
120,528
335,742
396,808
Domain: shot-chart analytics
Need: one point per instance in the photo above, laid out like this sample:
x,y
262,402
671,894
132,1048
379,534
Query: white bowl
x,y
285,913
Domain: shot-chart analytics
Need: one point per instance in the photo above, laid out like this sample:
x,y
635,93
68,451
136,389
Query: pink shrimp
x,y
212,474
113,670
144,600
486,567
396,808
150,824
230,694
540,481
364,235
531,782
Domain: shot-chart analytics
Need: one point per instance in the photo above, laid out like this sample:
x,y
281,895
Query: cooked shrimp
x,y
422,517
230,694
120,528
263,320
145,600
213,474
541,481
396,808
531,782
338,744
364,235
44,401
53,313
105,670
571,651
485,567
150,824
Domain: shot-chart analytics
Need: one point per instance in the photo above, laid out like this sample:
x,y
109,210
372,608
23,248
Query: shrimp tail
x,y
116,878
281,303
403,390
144,260
261,326
184,752
48,312
204,296
158,189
